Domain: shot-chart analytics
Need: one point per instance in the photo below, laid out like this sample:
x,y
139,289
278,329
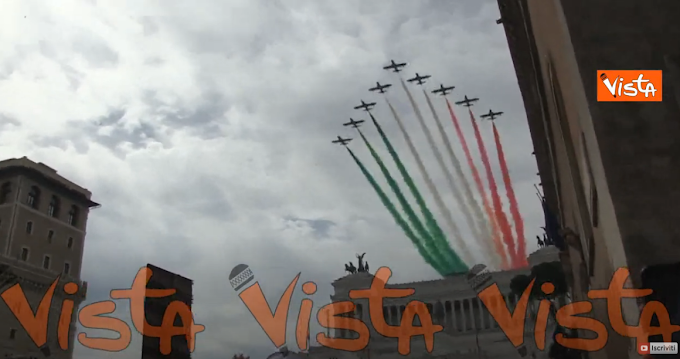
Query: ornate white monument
x,y
469,331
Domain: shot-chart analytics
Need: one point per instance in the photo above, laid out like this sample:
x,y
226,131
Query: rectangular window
x,y
46,262
50,235
24,254
67,268
29,227
12,334
594,201
69,244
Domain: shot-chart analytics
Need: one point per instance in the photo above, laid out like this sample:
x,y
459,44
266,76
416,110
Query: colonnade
x,y
456,315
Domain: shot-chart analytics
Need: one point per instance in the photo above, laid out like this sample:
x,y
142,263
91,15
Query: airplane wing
x,y
426,77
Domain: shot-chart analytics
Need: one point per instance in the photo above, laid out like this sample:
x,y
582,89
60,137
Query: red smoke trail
x,y
520,255
480,187
497,204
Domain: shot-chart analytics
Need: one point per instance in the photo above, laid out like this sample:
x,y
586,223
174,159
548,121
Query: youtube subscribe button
x,y
658,348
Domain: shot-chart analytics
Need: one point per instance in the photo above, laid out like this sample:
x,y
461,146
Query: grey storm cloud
x,y
204,130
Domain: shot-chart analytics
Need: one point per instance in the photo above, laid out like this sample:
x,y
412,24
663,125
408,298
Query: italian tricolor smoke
x,y
490,238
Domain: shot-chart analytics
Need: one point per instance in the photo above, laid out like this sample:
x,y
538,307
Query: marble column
x,y
463,311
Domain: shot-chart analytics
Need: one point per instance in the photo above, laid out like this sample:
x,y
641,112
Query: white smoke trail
x,y
448,217
479,224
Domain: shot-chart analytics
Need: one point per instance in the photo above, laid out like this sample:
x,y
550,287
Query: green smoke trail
x,y
397,217
456,265
413,218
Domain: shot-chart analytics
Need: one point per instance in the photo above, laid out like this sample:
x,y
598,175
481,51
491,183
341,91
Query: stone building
x,y
155,308
609,170
43,220
469,331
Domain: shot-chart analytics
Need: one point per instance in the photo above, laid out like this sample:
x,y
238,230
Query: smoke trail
x,y
442,242
493,227
520,255
428,242
457,264
397,217
497,204
478,223
448,217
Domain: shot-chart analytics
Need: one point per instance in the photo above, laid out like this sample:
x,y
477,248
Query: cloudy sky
x,y
204,130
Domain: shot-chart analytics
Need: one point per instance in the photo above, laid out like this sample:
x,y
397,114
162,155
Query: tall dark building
x,y
154,309
609,170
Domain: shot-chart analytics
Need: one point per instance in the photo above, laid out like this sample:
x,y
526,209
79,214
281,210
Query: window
x,y
595,206
29,227
5,191
67,268
50,235
46,262
69,244
12,334
594,201
73,216
53,209
24,254
33,198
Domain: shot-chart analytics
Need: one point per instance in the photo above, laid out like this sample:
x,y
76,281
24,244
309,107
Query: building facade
x,y
155,308
469,330
43,221
609,170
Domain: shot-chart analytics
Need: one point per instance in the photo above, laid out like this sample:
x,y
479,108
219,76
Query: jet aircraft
x,y
491,115
342,141
365,106
353,123
380,88
467,102
419,79
443,90
395,66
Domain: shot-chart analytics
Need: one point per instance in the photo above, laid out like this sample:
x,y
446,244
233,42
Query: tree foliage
x,y
240,356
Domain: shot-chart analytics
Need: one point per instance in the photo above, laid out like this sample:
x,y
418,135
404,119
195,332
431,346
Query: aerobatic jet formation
x,y
443,90
342,141
491,115
365,106
353,123
467,102
380,88
395,66
419,79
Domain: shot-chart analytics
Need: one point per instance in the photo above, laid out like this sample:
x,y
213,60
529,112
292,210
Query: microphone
x,y
240,276
604,79
241,279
